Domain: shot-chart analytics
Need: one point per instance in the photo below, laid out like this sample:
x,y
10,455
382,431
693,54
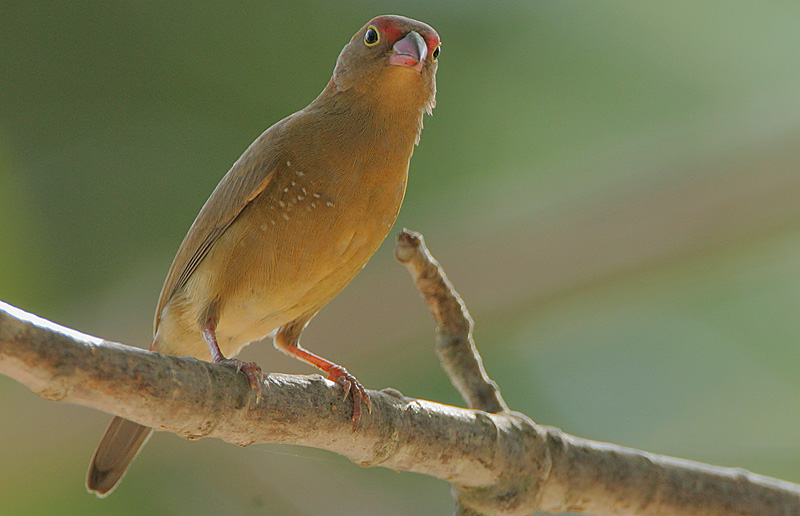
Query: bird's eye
x,y
436,52
371,37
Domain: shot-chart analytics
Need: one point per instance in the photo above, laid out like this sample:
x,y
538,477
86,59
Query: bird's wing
x,y
248,177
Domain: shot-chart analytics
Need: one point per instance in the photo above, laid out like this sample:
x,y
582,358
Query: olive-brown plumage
x,y
294,220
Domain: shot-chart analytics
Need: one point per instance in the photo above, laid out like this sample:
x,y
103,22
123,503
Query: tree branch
x,y
456,349
499,463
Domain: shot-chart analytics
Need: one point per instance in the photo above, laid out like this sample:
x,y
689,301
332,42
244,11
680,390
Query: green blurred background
x,y
612,186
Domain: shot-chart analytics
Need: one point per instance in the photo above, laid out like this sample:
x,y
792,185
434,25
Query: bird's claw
x,y
252,371
352,387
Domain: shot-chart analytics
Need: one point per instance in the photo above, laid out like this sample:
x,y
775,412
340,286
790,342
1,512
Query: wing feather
x,y
246,179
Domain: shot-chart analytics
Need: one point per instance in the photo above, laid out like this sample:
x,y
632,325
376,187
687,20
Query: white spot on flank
x,y
288,163
285,216
272,222
300,197
281,204
300,173
316,196
286,189
293,183
329,204
313,205
304,191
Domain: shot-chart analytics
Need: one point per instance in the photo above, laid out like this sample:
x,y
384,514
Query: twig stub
x,y
457,352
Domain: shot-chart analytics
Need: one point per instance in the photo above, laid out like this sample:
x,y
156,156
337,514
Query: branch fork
x,y
499,463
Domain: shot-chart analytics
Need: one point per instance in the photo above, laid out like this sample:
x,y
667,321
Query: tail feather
x,y
117,449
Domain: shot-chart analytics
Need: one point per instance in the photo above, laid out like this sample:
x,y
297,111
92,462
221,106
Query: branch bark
x,y
455,347
499,462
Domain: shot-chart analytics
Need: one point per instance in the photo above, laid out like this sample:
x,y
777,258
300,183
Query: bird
x,y
296,217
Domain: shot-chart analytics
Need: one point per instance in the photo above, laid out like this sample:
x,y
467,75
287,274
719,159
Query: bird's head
x,y
391,58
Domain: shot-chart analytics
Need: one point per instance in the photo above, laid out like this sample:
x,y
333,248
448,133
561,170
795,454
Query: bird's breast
x,y
301,241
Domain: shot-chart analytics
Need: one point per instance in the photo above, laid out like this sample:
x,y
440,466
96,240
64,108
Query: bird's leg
x,y
287,340
250,369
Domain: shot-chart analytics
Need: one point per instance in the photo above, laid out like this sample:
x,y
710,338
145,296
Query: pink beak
x,y
410,51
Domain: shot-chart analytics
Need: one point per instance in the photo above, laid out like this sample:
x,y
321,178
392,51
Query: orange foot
x,y
352,387
251,370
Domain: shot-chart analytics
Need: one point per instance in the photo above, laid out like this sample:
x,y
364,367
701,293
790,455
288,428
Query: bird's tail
x,y
117,449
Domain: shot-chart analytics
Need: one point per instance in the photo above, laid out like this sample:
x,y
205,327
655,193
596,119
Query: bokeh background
x,y
613,187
